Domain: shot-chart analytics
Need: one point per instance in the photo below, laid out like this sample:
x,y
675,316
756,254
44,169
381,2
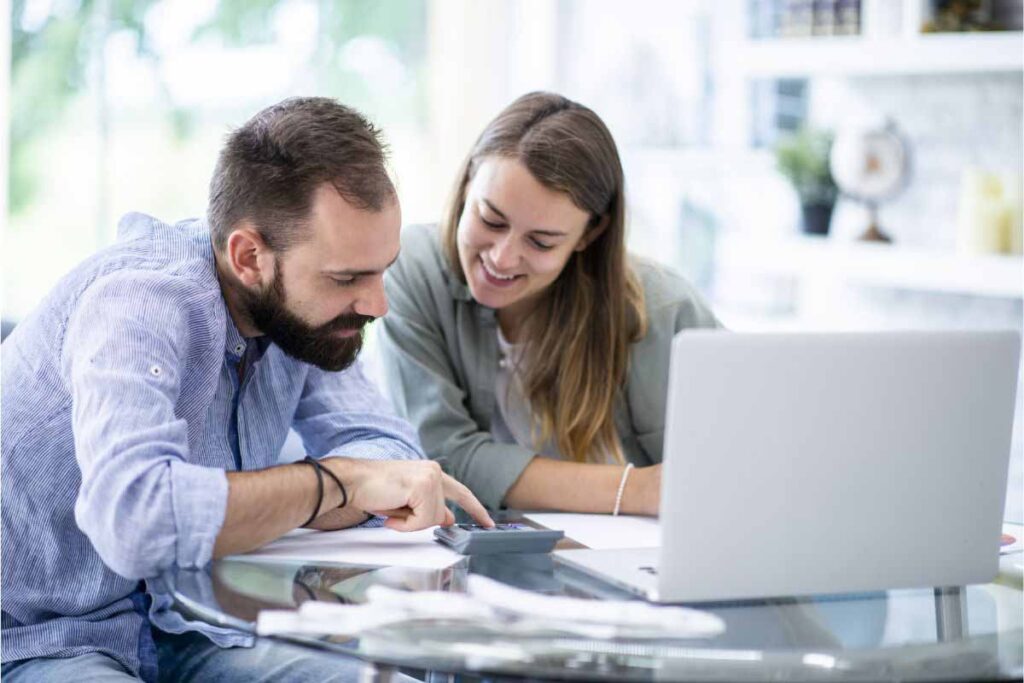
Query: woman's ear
x,y
593,233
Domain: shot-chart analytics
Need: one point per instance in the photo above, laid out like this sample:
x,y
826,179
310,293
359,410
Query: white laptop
x,y
800,464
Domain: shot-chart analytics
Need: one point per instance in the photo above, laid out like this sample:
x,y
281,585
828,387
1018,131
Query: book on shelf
x,y
823,17
803,18
847,18
797,19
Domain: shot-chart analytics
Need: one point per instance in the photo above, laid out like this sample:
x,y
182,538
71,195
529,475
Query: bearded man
x,y
147,398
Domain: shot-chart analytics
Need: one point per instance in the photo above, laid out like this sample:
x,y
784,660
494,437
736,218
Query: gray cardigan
x,y
440,354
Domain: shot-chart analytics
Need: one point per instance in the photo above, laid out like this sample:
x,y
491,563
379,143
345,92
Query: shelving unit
x,y
874,265
883,56
890,44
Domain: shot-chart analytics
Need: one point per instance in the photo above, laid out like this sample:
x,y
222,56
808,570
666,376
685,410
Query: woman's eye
x,y
541,245
491,224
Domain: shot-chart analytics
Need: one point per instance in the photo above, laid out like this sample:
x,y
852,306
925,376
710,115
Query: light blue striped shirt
x,y
119,393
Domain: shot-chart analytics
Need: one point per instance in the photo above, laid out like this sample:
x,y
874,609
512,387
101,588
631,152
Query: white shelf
x,y
857,56
874,265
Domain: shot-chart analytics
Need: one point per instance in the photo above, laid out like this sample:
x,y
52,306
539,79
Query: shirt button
x,y
155,370
239,349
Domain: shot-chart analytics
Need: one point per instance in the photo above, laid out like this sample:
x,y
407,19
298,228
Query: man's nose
x,y
372,300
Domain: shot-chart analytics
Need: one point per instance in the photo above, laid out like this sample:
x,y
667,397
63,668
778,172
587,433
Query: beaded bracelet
x,y
622,488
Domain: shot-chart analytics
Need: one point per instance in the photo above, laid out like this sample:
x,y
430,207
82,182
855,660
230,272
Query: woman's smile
x,y
495,278
515,235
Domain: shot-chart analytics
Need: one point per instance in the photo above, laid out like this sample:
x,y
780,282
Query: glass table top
x,y
918,634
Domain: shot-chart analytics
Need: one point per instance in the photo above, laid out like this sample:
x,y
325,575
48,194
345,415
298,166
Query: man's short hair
x,y
269,168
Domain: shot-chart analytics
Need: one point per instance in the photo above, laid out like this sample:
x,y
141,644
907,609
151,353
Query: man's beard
x,y
318,345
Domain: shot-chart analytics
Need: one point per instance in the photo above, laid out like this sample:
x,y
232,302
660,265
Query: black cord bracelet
x,y
327,470
344,493
319,489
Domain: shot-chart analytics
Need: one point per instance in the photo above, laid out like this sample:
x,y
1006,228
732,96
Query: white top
x,y
512,420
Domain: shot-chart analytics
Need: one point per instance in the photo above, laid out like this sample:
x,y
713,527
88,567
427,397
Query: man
x,y
147,398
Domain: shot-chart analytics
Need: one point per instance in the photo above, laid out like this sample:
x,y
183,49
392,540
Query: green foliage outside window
x,y
51,58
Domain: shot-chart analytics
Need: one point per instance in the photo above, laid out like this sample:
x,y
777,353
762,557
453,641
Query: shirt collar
x,y
460,292
458,289
234,342
236,346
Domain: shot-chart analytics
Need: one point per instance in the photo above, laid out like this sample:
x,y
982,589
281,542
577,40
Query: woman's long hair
x,y
577,338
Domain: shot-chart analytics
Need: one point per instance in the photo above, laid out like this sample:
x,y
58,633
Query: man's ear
x,y
248,256
593,233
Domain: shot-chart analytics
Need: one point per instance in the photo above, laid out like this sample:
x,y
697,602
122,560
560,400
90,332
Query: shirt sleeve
x,y
424,388
141,503
693,312
673,305
344,414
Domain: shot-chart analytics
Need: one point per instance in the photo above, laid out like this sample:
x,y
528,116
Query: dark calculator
x,y
472,539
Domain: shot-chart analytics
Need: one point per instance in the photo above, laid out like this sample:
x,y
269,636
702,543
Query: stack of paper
x,y
378,546
490,604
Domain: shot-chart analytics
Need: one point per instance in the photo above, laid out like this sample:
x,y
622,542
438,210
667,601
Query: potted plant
x,y
803,158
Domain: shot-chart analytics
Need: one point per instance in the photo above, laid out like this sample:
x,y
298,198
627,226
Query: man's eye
x,y
344,283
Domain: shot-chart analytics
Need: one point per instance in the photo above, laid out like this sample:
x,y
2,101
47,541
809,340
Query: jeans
x,y
192,657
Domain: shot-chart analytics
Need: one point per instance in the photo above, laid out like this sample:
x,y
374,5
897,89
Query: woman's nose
x,y
504,254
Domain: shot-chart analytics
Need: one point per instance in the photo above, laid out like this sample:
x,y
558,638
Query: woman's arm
x,y
548,484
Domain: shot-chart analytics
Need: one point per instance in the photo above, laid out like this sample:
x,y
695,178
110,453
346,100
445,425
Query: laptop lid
x,y
803,464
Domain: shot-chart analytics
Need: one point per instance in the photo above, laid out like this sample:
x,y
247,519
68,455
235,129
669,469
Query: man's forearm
x,y
339,518
266,504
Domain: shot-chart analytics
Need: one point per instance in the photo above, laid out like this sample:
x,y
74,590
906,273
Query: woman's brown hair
x,y
577,337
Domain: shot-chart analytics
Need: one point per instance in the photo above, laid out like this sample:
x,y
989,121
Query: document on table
x,y
489,606
602,532
375,546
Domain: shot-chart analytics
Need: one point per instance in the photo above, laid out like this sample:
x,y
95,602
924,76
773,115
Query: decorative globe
x,y
870,165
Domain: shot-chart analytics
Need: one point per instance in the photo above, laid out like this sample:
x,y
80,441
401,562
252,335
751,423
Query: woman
x,y
527,348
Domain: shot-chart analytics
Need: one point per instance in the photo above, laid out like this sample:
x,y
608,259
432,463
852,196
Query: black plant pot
x,y
816,218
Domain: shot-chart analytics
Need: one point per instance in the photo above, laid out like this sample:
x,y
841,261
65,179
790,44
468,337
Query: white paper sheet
x,y
491,605
602,532
375,546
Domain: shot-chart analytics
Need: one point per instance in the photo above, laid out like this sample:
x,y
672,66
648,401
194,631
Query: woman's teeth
x,y
496,276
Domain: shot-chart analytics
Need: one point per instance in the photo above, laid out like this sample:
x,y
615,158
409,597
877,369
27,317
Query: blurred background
x,y
762,139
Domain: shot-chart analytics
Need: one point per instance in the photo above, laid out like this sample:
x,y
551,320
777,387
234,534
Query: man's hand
x,y
411,494
336,519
